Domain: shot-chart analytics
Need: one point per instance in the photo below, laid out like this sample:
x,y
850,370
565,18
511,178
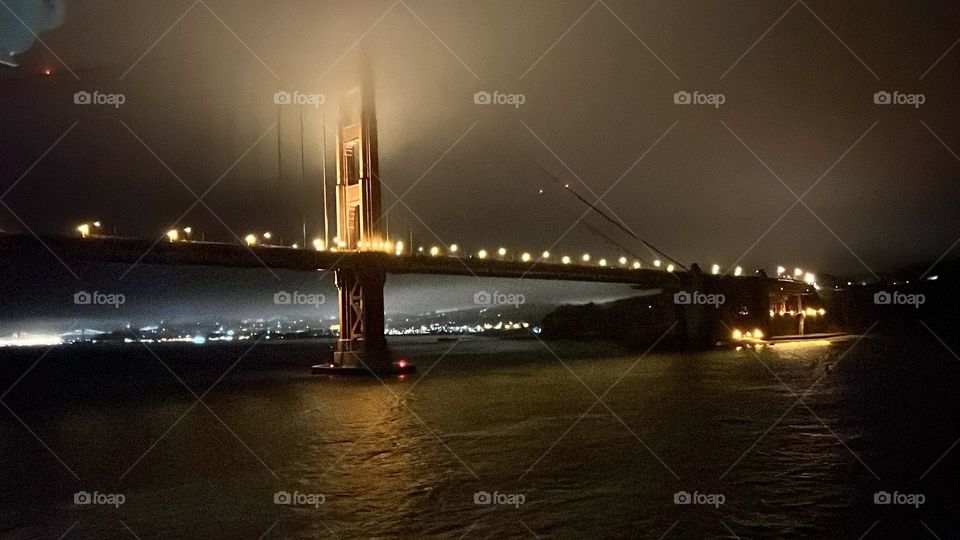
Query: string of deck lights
x,y
453,250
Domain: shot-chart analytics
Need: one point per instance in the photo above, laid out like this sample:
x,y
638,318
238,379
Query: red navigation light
x,y
47,71
402,364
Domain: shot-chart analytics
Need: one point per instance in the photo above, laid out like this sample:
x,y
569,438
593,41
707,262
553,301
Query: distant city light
x,y
797,272
781,270
251,239
31,340
318,244
84,230
267,236
809,278
173,235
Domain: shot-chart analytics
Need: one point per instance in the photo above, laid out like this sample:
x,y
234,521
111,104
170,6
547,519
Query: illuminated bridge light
x,y
657,263
738,271
715,269
797,272
173,235
525,257
318,244
502,252
454,248
781,270
267,235
586,257
545,255
565,259
482,254
623,261
295,246
434,251
84,230
188,231
669,268
636,265
602,262
399,248
251,239
809,278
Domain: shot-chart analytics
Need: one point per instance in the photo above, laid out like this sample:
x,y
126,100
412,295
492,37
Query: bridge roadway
x,y
132,251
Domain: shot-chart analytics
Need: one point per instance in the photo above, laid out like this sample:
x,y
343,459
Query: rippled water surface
x,y
596,441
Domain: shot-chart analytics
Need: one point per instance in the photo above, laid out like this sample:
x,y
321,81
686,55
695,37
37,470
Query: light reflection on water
x,y
405,458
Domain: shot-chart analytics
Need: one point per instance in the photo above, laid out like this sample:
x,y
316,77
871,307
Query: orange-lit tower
x,y
361,344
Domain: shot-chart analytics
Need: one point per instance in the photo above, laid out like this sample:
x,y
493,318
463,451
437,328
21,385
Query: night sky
x,y
879,182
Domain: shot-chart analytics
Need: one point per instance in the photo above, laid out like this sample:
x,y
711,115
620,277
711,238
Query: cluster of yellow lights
x,y
737,335
385,246
86,229
175,235
808,312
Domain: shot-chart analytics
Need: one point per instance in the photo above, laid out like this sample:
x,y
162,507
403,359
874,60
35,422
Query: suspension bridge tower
x,y
361,346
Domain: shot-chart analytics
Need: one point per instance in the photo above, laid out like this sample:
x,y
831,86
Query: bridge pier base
x,y
362,347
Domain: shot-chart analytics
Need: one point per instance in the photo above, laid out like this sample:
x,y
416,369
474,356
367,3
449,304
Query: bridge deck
x,y
131,251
